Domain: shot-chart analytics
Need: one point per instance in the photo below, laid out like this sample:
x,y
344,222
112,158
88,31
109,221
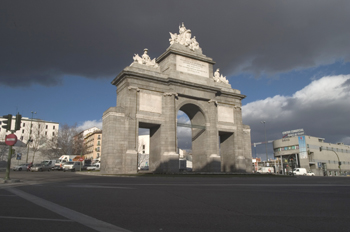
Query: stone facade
x,y
150,95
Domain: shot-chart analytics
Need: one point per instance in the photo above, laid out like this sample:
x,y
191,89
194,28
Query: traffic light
x,y
7,123
18,122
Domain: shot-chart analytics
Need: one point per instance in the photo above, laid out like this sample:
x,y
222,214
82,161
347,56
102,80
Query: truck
x,y
64,159
299,172
263,170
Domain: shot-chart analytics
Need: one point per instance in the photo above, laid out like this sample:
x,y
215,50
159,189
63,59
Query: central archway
x,y
199,136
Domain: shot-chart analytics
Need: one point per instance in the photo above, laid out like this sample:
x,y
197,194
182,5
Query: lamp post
x,y
265,140
30,134
339,163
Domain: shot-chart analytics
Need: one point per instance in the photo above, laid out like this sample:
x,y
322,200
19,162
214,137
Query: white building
x,y
30,128
314,154
143,152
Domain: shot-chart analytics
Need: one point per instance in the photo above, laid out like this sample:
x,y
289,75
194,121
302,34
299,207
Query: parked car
x,y
300,171
85,166
71,166
56,168
40,168
94,167
20,167
50,163
309,173
265,170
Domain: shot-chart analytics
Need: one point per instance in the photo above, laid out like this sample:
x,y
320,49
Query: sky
x,y
290,58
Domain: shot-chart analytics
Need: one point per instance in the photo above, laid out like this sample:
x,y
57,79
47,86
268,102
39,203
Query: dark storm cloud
x,y
42,41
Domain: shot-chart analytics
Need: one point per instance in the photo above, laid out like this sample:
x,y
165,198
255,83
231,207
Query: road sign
x,y
11,139
19,156
81,159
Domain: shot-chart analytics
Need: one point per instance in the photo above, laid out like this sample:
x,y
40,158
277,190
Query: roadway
x,y
68,201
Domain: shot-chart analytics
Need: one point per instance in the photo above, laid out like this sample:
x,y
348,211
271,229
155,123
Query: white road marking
x,y
95,186
68,213
39,219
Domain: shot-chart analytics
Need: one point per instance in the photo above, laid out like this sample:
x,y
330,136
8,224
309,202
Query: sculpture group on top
x,y
145,59
219,78
184,38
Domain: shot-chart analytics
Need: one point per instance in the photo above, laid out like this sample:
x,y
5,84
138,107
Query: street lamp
x,y
339,163
265,140
30,134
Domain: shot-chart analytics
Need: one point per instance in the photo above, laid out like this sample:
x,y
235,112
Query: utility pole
x,y
265,141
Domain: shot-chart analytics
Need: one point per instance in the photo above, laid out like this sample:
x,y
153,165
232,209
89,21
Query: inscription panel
x,y
225,114
191,66
150,103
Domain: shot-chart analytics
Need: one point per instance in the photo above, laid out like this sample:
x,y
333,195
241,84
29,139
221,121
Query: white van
x,y
49,163
64,159
266,170
300,171
72,166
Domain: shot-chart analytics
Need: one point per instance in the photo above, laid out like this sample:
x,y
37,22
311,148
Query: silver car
x,y
40,168
20,167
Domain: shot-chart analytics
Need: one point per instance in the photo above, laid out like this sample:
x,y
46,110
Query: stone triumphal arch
x,y
151,92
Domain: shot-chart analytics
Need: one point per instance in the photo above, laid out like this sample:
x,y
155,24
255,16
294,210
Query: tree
x,y
3,151
35,137
67,142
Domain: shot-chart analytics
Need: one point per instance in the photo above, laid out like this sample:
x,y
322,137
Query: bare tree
x,y
35,135
4,149
67,142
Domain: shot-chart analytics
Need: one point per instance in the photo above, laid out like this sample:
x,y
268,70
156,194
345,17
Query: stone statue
x,y
145,59
219,78
184,38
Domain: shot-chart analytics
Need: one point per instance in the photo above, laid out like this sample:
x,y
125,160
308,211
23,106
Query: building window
x,y
22,131
46,126
21,138
98,143
53,133
24,124
53,127
45,132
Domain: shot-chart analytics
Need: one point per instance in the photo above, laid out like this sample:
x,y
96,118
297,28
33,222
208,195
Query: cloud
x,y
44,40
89,124
320,108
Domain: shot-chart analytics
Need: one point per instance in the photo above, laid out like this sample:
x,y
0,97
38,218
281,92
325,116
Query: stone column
x,y
170,157
113,145
214,159
131,130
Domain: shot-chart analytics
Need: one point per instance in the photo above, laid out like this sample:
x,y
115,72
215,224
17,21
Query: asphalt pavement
x,y
73,201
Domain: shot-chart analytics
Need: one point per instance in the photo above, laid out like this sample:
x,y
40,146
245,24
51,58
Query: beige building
x,y
314,154
93,144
